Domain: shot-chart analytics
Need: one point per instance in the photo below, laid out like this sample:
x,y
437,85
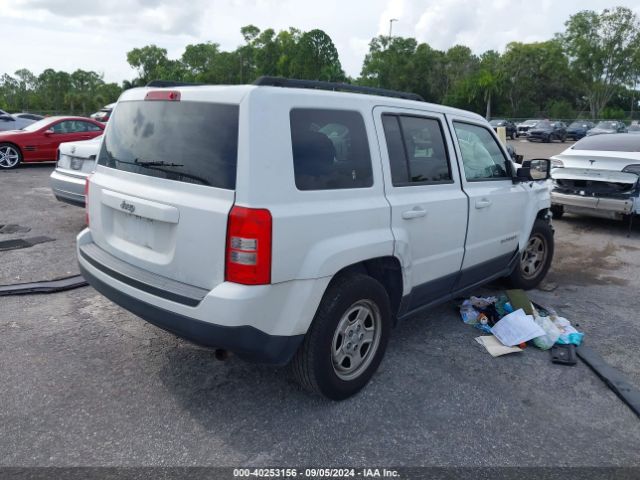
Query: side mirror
x,y
536,169
49,132
7,118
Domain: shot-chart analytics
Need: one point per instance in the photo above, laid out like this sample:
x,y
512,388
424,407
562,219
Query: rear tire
x,y
10,156
347,338
535,260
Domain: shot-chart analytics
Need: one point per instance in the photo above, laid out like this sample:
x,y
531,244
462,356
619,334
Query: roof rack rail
x,y
170,83
333,86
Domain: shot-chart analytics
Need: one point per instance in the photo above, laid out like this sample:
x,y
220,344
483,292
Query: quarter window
x,y
482,157
417,150
330,149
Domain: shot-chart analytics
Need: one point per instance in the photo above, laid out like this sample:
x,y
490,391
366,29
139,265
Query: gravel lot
x,y
87,383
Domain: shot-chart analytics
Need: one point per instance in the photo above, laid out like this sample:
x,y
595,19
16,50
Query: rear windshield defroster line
x,y
193,142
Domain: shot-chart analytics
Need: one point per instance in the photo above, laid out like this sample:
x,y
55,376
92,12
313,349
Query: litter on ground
x,y
512,321
494,347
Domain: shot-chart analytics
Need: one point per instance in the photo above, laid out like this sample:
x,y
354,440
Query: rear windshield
x,y
191,142
621,142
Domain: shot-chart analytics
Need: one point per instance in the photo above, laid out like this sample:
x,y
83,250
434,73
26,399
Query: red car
x,y
39,141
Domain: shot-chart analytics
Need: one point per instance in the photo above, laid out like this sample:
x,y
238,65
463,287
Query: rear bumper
x,y
248,342
263,323
68,188
594,205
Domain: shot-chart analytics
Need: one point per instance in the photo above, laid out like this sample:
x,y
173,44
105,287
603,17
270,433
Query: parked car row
x,y
546,130
512,130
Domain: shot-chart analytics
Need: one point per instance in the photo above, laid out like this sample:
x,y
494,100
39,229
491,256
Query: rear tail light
x,y
166,95
248,253
86,200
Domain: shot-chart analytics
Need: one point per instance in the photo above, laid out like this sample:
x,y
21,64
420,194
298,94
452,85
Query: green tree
x,y
316,58
390,63
199,62
152,63
26,83
603,51
487,82
534,73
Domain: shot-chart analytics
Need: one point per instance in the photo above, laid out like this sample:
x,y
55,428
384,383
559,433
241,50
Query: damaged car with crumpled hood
x,y
598,176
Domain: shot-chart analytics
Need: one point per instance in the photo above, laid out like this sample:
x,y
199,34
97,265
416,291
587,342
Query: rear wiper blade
x,y
156,164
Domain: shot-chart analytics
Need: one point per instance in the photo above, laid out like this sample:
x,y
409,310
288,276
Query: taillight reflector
x,y
248,253
166,95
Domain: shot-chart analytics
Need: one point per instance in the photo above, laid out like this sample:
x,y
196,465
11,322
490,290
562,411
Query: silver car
x,y
76,161
11,122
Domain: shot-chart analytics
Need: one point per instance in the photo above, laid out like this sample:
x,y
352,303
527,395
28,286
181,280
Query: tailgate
x,y
174,233
165,183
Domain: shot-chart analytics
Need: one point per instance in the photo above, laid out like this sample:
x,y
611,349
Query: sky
x,y
96,35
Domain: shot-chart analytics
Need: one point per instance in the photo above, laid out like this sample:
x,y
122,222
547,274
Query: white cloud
x,y
71,34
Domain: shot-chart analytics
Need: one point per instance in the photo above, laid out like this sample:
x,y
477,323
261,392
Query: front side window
x,y
482,157
330,149
417,151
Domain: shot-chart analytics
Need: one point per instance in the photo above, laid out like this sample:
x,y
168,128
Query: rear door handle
x,y
484,203
415,212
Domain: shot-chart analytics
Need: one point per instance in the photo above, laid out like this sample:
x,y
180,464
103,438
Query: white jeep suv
x,y
286,222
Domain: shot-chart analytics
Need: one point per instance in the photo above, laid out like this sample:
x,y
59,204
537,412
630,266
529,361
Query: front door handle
x,y
484,203
415,212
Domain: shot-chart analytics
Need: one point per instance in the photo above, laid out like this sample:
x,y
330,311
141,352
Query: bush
x,y
560,109
612,113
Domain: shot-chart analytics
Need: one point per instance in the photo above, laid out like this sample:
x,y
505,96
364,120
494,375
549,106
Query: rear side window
x,y
417,151
330,149
193,142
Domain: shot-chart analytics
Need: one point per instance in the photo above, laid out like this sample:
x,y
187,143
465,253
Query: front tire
x,y
10,156
535,260
347,338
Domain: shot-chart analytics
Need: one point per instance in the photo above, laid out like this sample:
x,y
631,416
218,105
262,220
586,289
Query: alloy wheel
x,y
9,157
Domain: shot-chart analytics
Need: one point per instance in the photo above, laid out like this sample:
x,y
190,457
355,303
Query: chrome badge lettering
x,y
509,239
128,207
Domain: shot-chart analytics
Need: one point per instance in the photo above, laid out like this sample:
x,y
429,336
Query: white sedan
x,y
598,176
76,161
